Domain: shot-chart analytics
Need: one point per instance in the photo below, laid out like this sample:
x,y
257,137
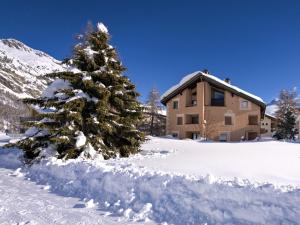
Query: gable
x,y
199,76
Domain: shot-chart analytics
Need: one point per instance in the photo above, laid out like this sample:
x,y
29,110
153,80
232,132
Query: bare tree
x,y
154,118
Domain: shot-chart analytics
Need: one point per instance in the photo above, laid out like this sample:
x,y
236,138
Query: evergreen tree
x,y
286,115
90,109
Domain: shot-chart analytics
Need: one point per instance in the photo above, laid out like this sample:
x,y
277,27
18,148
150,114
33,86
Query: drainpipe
x,y
203,121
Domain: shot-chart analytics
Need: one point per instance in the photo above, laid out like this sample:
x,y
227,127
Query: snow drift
x,y
123,188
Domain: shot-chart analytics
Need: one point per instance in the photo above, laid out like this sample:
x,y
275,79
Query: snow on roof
x,y
101,27
182,81
197,73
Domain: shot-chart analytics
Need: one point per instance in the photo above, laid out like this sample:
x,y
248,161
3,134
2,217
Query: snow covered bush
x,y
87,110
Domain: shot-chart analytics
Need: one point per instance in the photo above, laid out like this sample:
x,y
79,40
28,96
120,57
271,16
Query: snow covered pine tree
x,y
286,115
93,110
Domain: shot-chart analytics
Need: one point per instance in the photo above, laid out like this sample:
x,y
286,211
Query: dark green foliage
x,y
99,102
286,115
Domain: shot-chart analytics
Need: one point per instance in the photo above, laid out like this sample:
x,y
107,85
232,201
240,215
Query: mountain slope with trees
x,y
21,75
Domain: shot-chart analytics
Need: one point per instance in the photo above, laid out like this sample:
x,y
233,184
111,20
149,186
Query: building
x,y
268,125
202,105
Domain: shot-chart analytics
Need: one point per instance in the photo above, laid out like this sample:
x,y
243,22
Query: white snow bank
x,y
192,75
271,161
138,189
141,195
10,158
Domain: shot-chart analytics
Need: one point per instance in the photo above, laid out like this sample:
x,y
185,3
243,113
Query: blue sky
x,y
255,43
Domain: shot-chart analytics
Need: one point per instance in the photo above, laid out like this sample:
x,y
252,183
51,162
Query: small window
x,y
253,120
175,135
175,104
266,124
179,120
217,97
244,104
228,120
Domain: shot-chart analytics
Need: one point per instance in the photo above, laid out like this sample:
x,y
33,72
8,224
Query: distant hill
x,y
21,75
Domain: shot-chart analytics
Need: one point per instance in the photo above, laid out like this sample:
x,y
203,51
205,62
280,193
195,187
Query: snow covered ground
x,y
265,161
24,202
169,182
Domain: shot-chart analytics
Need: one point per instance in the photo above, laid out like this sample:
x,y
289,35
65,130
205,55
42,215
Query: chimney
x,y
227,80
205,71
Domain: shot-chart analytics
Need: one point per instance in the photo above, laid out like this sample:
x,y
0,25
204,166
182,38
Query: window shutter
x,y
228,120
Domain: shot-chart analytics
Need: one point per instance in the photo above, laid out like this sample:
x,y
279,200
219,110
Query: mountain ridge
x,y
21,76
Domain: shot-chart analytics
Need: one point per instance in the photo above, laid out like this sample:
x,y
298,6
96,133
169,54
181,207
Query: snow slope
x,y
23,202
266,161
179,182
21,75
22,68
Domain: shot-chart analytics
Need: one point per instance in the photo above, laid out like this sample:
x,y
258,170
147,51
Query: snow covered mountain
x,y
272,106
21,75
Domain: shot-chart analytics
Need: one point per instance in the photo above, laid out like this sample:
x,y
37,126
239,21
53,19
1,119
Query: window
x,y
175,135
253,120
175,104
195,119
244,104
228,120
179,120
266,124
217,97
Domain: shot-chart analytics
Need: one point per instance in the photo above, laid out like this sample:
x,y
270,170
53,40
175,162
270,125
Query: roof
x,y
199,76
